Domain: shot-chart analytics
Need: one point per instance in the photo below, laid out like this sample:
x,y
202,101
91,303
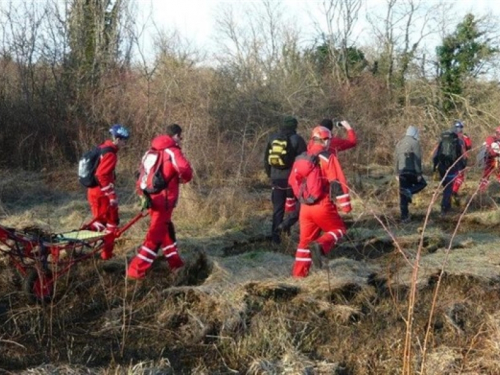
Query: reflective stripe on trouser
x,y
142,262
314,219
459,180
172,256
161,233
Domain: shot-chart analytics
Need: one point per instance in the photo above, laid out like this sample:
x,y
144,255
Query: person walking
x,y
164,167
338,144
467,145
408,168
448,160
281,150
491,159
102,198
318,181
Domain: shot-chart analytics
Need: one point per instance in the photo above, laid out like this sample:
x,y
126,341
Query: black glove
x,y
335,190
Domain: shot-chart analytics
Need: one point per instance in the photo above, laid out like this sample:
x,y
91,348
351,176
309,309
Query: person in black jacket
x,y
281,150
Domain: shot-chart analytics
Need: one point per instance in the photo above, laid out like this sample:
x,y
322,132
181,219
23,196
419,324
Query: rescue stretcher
x,y
42,258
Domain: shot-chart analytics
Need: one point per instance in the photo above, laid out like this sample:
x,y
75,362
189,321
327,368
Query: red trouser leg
x,y
169,248
314,219
458,181
488,170
309,231
158,229
97,201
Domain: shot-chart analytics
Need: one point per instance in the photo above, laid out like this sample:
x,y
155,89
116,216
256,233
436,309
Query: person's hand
x,y
346,125
145,202
419,178
397,178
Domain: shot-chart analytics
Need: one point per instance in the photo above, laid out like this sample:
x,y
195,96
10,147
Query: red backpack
x,y
151,180
307,180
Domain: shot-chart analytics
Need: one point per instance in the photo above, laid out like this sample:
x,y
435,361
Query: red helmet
x,y
321,133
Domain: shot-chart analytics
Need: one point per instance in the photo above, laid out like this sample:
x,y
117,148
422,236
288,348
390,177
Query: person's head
x,y
175,131
289,122
322,136
458,127
413,131
327,123
119,134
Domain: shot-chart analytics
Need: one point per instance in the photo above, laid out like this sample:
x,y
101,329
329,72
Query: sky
x,y
195,19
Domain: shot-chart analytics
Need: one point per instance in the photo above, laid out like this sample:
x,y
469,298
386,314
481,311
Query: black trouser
x,y
280,192
448,178
408,182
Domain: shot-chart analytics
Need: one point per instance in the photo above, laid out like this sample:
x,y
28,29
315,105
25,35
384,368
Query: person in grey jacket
x,y
408,157
281,150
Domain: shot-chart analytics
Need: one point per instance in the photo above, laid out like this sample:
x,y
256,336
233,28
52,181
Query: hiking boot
x,y
316,254
405,220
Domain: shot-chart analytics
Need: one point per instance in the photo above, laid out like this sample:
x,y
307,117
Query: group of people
x,y
289,162
171,167
450,159
307,181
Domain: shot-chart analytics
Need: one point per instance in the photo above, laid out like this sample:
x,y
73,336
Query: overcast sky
x,y
195,18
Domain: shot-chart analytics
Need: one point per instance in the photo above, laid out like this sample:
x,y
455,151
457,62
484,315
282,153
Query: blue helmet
x,y
458,124
119,131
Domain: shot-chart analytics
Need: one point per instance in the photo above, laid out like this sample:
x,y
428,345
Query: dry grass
x,y
235,308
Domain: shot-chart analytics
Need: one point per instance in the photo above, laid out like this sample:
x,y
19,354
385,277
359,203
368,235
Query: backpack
x,y
307,180
151,180
481,156
450,149
281,153
87,165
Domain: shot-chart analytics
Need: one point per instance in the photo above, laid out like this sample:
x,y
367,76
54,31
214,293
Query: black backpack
x,y
450,149
88,164
281,153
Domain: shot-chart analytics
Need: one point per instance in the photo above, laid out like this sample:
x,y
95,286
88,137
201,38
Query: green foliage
x,y
351,59
93,38
461,56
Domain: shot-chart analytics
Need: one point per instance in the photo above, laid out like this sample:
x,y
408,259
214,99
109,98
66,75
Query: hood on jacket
x,y
162,142
315,148
413,132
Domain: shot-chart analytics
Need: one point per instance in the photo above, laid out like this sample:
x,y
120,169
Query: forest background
x,y
70,69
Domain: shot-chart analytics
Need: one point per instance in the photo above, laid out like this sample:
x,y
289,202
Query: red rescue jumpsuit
x,y
320,222
102,198
176,169
341,144
491,162
459,180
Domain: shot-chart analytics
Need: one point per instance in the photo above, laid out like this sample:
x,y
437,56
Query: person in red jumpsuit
x,y
338,144
467,145
491,159
102,198
321,227
175,169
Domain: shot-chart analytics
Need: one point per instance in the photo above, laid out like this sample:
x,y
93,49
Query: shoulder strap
x,y
105,150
